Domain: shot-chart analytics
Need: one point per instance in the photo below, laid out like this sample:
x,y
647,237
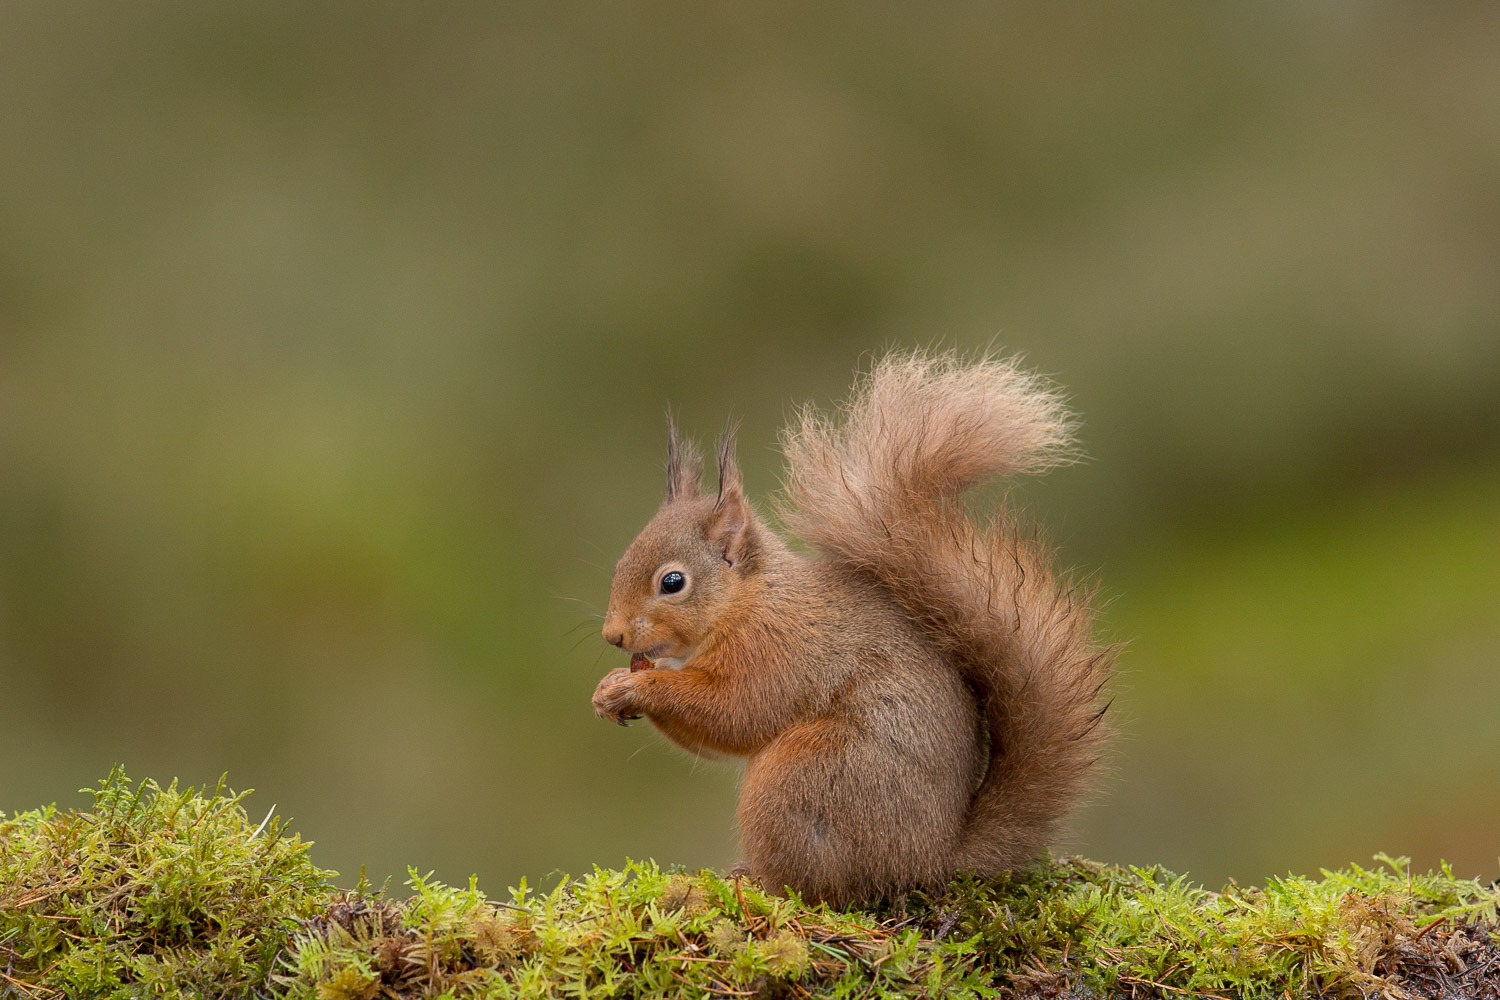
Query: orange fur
x,y
920,698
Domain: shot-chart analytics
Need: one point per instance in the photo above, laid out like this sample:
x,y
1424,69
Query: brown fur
x,y
920,700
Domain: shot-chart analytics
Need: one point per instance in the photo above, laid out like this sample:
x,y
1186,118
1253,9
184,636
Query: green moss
x,y
154,891
641,932
1074,928
1350,934
161,892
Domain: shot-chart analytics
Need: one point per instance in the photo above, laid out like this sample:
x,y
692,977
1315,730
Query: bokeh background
x,y
335,341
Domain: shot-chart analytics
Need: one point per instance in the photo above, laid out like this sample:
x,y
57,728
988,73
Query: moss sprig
x,y
165,892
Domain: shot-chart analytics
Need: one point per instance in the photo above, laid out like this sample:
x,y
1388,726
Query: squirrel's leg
x,y
828,815
829,812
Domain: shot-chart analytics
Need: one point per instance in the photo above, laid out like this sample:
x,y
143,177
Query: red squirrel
x,y
918,697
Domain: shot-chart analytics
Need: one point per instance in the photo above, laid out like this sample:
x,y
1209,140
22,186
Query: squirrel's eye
x,y
673,582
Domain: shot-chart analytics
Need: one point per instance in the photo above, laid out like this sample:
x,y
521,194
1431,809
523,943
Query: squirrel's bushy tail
x,y
881,490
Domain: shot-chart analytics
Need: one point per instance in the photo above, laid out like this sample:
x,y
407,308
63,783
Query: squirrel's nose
x,y
614,635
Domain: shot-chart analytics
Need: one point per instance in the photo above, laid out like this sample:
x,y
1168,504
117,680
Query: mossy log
x,y
180,893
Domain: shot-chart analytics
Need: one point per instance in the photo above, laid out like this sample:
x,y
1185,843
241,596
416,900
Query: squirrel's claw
x,y
613,698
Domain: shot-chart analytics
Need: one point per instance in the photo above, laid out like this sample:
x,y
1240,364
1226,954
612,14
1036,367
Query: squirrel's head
x,y
686,568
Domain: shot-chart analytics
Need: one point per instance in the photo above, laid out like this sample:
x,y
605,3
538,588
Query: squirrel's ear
x,y
684,466
730,528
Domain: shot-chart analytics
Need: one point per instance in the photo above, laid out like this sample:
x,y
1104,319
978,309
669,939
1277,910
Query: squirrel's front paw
x,y
615,697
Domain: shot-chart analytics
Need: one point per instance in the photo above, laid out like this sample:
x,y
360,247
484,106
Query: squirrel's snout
x,y
613,634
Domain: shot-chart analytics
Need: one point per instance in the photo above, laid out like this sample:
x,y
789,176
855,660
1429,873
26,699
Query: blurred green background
x,y
335,341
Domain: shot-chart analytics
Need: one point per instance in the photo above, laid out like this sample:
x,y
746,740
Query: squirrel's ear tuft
x,y
684,466
730,527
